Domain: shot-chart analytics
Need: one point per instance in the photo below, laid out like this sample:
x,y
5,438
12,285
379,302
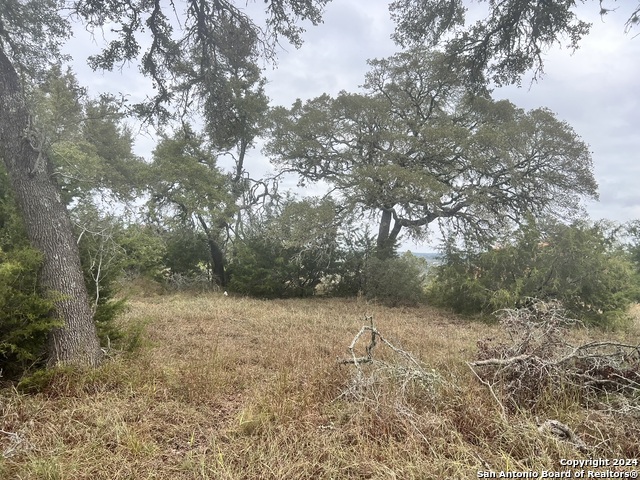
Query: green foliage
x,y
25,316
419,147
186,251
631,244
85,138
144,251
185,178
32,32
504,45
190,61
348,275
579,265
288,253
263,268
396,281
361,269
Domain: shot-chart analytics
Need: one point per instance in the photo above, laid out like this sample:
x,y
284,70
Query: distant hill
x,y
430,256
433,259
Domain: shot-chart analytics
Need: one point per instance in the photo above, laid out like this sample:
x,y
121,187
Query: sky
x,y
596,89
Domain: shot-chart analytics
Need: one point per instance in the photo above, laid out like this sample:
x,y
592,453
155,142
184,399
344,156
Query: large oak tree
x,y
419,147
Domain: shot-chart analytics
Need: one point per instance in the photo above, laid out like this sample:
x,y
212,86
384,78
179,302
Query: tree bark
x,y
216,254
384,243
48,227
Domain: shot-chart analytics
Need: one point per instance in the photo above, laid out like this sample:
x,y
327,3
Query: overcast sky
x,y
595,90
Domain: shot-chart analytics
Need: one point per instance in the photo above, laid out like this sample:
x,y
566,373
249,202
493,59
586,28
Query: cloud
x,y
595,90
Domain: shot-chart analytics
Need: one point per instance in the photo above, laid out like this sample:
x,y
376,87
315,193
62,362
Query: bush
x,y
143,251
395,281
264,268
362,269
25,318
348,276
578,265
186,251
287,252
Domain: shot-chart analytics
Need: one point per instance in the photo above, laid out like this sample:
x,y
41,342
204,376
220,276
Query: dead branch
x,y
17,441
503,412
403,370
539,357
499,361
562,432
369,350
400,384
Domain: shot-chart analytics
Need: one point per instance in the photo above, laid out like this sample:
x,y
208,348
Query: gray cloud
x,y
595,90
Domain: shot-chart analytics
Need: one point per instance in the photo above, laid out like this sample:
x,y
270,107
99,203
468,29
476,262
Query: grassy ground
x,y
228,388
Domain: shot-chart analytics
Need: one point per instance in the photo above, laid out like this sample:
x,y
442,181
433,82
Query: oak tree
x,y
189,190
418,147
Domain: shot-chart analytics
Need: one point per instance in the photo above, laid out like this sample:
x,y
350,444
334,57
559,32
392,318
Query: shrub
x,y
395,281
348,276
25,318
362,269
186,251
288,252
143,250
578,265
264,268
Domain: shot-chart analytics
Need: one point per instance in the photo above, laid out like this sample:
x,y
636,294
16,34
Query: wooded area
x,y
422,144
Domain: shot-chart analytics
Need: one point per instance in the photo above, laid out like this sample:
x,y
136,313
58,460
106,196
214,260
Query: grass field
x,y
231,388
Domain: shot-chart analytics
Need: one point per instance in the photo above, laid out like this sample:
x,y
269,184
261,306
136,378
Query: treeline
x,y
421,145
179,221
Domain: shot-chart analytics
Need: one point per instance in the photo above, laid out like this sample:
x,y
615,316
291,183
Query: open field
x,y
231,388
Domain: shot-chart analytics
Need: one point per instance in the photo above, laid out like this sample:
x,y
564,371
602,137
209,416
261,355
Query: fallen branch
x,y
564,433
499,361
368,358
404,369
539,358
503,412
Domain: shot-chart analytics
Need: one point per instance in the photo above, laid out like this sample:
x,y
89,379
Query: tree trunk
x,y
218,262
216,254
384,243
48,227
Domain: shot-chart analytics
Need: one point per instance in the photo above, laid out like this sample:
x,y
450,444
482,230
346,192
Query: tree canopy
x,y
418,146
510,40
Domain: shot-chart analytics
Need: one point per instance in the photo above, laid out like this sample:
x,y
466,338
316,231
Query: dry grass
x,y
232,388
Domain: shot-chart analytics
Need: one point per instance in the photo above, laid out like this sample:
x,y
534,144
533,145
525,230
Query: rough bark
x,y
384,243
48,226
216,254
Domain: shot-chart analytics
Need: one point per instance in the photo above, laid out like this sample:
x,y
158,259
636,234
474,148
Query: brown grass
x,y
232,388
